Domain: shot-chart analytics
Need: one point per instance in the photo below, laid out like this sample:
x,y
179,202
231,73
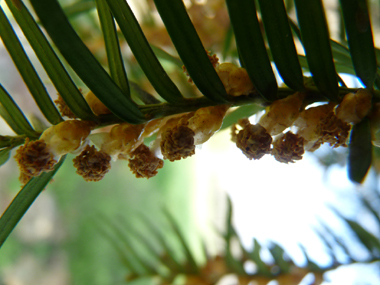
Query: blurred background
x,y
66,237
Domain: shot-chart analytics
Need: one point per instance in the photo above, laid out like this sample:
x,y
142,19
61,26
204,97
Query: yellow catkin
x,y
63,108
282,113
96,105
153,127
254,141
123,138
206,121
235,79
354,106
67,136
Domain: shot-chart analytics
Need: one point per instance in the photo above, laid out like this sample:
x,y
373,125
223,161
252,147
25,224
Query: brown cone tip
x,y
288,148
34,158
144,163
234,130
254,141
333,130
177,143
24,178
63,108
92,164
213,59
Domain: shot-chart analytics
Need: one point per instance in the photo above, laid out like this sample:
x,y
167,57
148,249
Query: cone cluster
x,y
313,126
177,136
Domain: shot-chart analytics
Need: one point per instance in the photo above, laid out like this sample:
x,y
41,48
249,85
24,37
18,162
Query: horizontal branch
x,y
154,111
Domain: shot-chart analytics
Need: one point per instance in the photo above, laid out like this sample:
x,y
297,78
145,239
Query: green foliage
x,y
27,71
251,46
360,152
13,115
190,49
143,52
84,63
315,40
4,155
23,201
114,56
360,41
122,236
51,63
281,43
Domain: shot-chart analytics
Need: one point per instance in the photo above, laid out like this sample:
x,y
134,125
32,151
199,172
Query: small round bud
x,y
333,131
168,124
33,158
254,141
177,143
288,147
92,164
144,163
